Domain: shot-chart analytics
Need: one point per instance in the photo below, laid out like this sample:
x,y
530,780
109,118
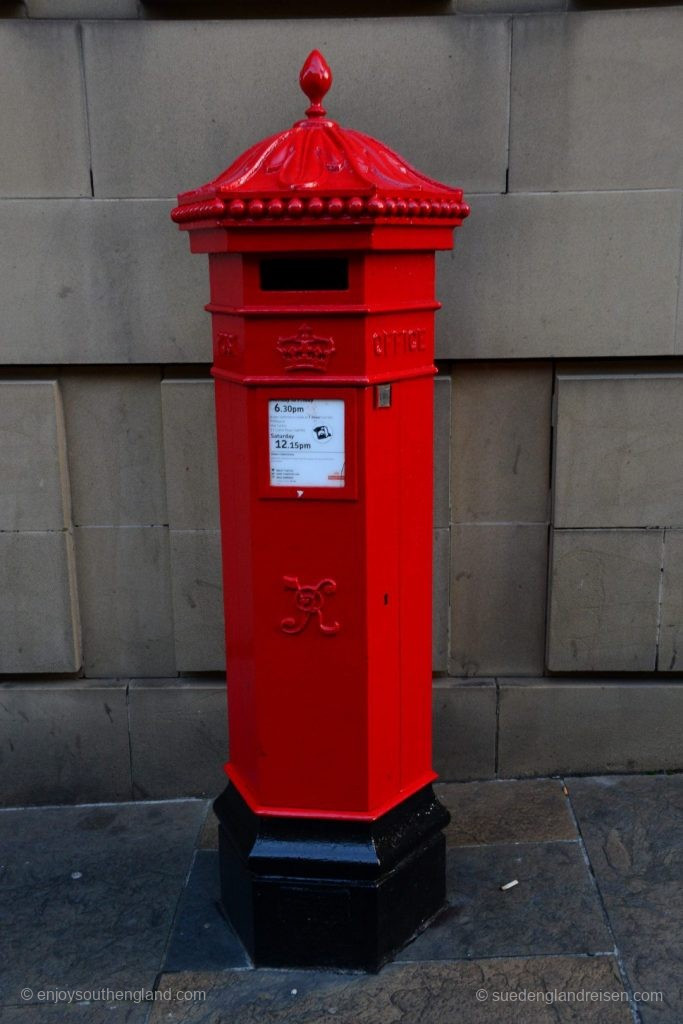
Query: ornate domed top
x,y
316,171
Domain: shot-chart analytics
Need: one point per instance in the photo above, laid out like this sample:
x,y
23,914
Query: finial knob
x,y
315,78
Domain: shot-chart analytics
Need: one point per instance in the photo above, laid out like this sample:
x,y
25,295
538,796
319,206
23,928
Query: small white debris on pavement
x,y
509,885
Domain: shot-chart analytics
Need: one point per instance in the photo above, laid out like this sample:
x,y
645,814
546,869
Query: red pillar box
x,y
321,249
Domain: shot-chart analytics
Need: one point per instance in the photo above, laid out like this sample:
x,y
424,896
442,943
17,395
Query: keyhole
x,y
386,599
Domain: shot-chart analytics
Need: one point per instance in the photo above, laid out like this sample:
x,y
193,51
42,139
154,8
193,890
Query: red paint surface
x,y
327,595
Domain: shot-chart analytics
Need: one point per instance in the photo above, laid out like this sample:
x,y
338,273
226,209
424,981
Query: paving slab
x,y
202,939
88,894
112,895
633,831
475,992
121,1012
506,811
553,910
499,811
208,837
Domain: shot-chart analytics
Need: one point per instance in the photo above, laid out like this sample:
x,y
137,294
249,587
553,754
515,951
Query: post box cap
x,y
317,172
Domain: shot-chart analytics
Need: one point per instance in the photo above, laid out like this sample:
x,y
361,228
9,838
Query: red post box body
x,y
321,249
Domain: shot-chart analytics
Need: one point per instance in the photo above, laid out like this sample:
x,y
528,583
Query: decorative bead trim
x,y
199,211
317,207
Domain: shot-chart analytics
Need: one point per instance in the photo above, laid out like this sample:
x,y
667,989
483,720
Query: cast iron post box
x,y
321,247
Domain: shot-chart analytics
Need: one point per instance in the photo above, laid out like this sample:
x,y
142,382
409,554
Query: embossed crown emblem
x,y
305,351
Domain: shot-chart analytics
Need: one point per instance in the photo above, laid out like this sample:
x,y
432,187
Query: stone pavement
x,y
122,897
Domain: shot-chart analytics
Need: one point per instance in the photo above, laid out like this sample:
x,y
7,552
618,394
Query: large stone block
x,y
619,450
596,101
582,274
604,592
13,9
190,454
117,284
178,738
125,589
441,610
113,423
670,647
42,115
63,743
498,595
34,485
501,442
464,729
198,623
549,727
454,126
442,451
39,629
508,6
82,8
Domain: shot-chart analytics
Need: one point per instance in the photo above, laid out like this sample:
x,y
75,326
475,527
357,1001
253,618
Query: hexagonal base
x,y
304,892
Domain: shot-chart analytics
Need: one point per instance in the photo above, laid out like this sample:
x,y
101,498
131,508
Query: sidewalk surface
x,y
103,901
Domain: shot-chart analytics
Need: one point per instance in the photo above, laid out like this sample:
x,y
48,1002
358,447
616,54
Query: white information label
x,y
306,442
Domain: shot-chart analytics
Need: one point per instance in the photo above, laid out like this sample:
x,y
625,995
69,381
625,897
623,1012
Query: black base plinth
x,y
320,892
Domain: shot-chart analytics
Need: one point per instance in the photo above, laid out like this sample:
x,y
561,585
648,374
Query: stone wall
x,y
558,527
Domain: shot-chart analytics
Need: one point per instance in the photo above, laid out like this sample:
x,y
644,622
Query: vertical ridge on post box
x,y
321,245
